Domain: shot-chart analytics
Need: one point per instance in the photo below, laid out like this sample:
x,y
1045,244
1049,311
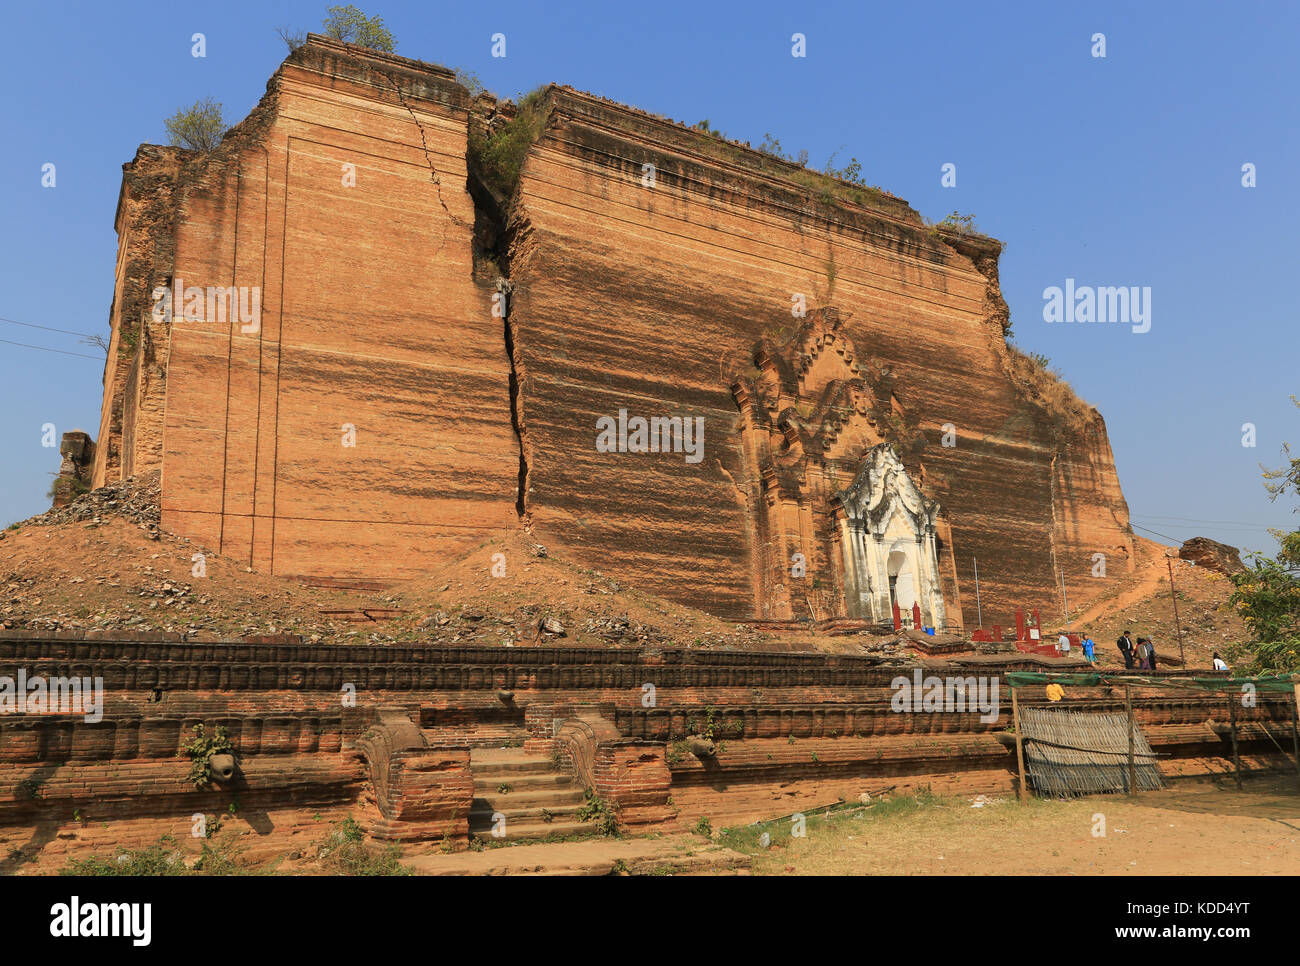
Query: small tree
x,y
964,224
469,79
97,340
351,26
1267,596
772,146
851,172
199,127
293,39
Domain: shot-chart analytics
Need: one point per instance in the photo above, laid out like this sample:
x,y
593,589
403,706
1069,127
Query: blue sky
x,y
1125,170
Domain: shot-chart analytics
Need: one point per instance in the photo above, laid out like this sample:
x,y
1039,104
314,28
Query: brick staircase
x,y
539,799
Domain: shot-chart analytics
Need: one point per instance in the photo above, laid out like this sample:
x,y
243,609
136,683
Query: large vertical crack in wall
x,y
491,255
501,231
516,402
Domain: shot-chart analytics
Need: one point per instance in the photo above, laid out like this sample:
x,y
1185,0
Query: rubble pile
x,y
136,500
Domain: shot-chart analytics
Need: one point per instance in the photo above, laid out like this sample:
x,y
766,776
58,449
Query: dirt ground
x,y
1141,602
1192,828
99,569
104,563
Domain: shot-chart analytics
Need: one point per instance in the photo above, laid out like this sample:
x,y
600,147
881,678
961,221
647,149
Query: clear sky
x,y
1117,171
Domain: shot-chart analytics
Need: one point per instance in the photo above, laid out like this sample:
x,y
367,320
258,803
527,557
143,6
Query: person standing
x,y
1125,645
1089,650
1143,654
1151,653
1063,644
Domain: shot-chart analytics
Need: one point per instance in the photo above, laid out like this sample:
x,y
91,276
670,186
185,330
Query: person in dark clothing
x,y
1125,645
1151,653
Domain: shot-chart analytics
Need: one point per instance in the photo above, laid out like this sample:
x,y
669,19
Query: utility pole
x,y
1177,623
979,611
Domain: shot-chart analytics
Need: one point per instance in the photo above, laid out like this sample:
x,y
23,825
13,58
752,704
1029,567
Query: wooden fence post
x,y
1132,770
1022,792
1232,718
1295,727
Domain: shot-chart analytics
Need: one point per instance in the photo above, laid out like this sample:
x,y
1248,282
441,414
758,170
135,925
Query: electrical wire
x,y
42,348
47,328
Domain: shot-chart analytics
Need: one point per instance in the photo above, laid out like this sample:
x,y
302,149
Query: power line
x,y
47,328
1205,525
1153,516
1158,534
46,349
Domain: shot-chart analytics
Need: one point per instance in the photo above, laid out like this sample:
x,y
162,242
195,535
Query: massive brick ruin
x,y
353,340
469,342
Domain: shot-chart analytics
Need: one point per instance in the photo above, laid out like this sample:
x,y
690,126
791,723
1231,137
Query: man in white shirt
x,y
1063,644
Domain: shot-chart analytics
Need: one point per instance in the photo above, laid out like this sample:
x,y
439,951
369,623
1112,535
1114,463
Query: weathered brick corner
x,y
630,774
77,467
422,793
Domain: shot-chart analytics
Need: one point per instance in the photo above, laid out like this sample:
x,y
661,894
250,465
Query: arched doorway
x,y
902,583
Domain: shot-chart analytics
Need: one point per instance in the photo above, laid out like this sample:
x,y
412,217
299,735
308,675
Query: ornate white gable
x,y
887,536
881,488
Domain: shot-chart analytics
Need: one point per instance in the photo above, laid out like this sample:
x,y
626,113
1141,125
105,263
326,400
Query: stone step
x,y
481,813
493,761
530,831
507,770
503,801
487,784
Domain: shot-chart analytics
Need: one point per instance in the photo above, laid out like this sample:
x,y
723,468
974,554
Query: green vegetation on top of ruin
x,y
497,154
958,224
1033,375
831,186
470,81
346,24
351,26
199,127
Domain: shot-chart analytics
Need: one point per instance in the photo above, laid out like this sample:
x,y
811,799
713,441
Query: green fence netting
x,y
1279,684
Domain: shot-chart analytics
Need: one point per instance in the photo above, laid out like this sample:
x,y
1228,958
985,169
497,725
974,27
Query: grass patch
x,y
746,838
915,833
344,852
163,858
600,813
1040,383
